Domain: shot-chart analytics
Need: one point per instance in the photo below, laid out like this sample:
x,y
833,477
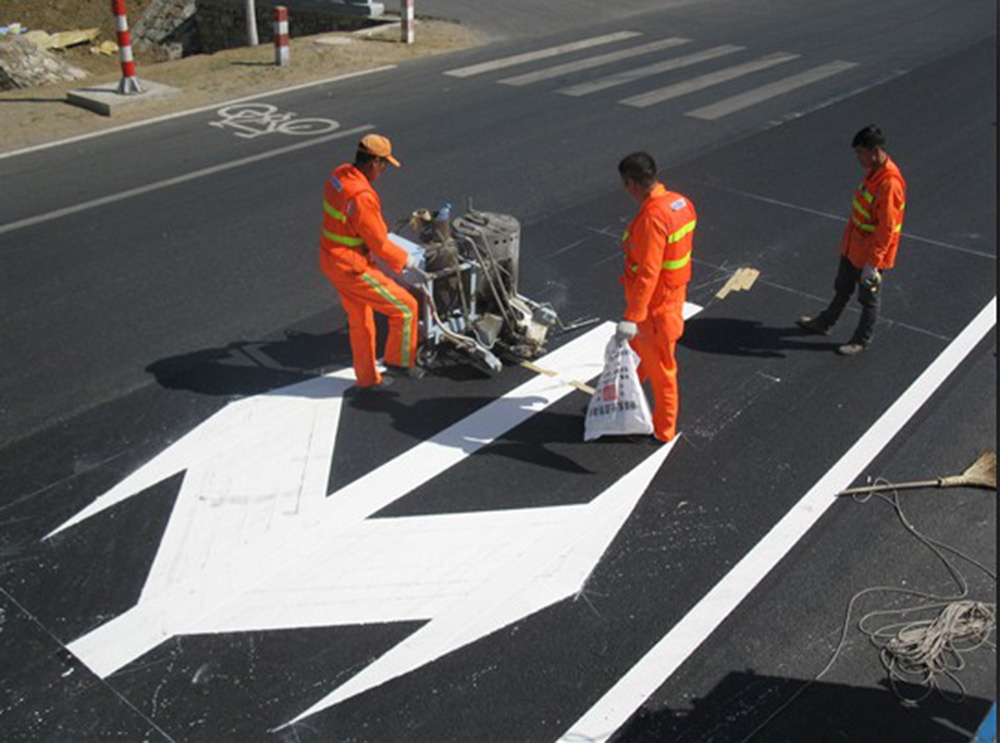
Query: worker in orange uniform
x,y
868,247
354,232
657,249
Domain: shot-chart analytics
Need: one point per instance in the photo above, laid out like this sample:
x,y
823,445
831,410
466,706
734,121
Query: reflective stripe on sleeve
x,y
680,234
339,216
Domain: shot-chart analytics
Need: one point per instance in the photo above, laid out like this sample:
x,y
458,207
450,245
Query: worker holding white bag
x,y
657,246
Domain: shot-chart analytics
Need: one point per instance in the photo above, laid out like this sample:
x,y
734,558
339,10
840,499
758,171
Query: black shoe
x,y
812,324
357,391
413,372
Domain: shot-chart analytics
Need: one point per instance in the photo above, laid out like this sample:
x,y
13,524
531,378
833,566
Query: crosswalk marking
x,y
499,64
654,69
771,90
591,62
706,81
681,85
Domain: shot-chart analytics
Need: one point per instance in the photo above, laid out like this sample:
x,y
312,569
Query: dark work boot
x,y
813,325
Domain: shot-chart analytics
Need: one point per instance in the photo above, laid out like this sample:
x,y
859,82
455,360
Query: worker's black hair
x,y
639,167
362,158
870,137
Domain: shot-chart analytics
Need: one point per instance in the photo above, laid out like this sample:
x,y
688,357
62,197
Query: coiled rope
x,y
926,652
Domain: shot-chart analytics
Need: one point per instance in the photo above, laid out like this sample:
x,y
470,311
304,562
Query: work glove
x,y
870,276
626,331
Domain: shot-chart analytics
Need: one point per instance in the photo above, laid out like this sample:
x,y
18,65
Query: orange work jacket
x,y
353,227
657,247
872,234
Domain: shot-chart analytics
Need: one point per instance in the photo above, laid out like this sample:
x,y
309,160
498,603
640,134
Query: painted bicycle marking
x,y
254,119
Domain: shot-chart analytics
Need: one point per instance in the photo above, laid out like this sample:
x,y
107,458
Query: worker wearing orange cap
x,y
354,232
657,247
869,244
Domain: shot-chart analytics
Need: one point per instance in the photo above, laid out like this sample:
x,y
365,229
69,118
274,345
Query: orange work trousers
x,y
656,345
363,294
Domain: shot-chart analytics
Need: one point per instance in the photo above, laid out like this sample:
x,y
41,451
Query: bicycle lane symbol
x,y
254,119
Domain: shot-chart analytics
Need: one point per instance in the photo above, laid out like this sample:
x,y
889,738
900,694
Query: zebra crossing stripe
x,y
591,62
554,51
654,69
771,90
706,81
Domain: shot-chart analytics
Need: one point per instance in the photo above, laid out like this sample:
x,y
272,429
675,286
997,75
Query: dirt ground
x,y
32,116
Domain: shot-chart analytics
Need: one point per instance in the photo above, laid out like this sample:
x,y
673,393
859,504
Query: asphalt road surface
x,y
203,538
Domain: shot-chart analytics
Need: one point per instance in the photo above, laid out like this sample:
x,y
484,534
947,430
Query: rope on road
x,y
927,652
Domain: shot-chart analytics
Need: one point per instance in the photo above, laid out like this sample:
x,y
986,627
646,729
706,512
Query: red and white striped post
x,y
129,83
280,35
406,24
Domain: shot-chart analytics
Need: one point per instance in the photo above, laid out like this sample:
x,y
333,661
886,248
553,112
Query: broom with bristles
x,y
980,474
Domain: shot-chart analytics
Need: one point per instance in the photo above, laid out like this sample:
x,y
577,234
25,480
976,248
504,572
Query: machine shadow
x,y
740,706
733,337
246,368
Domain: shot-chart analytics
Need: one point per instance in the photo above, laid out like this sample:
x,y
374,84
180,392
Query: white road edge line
x,y
190,111
150,187
653,669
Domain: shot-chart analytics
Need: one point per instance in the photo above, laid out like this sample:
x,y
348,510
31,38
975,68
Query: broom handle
x,y
892,486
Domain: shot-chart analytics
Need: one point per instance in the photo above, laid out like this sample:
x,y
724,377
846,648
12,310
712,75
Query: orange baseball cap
x,y
376,144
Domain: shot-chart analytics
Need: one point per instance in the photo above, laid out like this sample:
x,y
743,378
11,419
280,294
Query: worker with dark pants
x,y
354,232
657,246
869,244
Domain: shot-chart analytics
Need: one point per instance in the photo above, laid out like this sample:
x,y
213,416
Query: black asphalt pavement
x,y
152,278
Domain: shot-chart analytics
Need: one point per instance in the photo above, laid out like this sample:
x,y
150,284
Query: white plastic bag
x,y
618,406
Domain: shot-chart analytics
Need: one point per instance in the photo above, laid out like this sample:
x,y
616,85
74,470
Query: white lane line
x,y
771,90
194,175
839,218
591,62
654,69
706,81
552,51
633,689
190,111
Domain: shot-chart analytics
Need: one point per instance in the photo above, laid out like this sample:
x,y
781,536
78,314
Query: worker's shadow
x,y
244,368
534,441
734,337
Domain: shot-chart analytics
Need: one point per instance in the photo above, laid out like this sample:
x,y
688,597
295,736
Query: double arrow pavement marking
x,y
252,527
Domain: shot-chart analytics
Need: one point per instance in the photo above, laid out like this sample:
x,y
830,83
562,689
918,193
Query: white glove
x,y
870,276
626,330
412,262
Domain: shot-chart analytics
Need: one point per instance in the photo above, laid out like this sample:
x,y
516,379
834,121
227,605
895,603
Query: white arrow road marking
x,y
470,574
252,522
